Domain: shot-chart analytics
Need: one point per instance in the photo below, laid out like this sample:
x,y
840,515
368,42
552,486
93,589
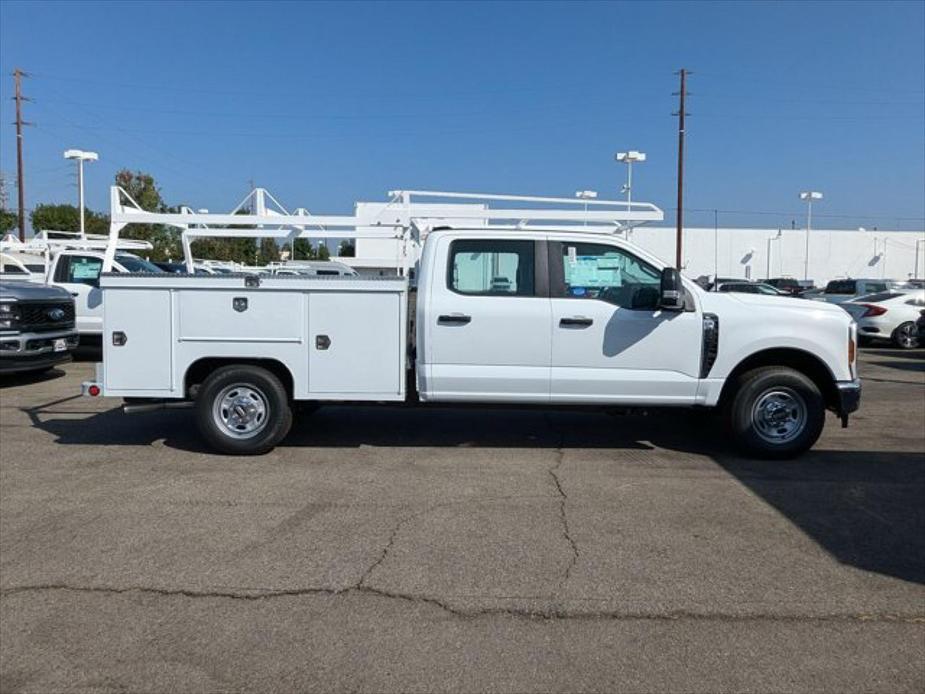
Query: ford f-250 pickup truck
x,y
36,327
553,316
557,316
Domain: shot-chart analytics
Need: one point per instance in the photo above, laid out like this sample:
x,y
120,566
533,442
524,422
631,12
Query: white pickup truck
x,y
521,316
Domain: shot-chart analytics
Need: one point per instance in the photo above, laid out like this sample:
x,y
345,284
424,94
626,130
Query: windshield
x,y
135,264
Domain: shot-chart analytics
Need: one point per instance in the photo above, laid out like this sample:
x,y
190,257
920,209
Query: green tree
x,y
45,217
347,249
144,191
323,253
8,220
303,250
268,252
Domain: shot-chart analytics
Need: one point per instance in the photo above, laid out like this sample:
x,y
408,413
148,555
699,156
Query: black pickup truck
x,y
36,326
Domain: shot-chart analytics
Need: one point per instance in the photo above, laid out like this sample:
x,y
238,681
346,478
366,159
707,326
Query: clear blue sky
x,y
325,104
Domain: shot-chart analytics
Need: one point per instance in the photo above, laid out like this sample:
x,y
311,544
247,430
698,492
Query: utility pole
x,y
17,80
680,217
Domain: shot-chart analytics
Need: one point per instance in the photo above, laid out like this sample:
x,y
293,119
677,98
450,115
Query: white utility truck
x,y
566,313
74,261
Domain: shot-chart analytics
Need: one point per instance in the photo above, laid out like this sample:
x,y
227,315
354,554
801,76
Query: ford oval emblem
x,y
55,314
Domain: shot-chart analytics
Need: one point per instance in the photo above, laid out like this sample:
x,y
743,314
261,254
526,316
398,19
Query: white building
x,y
746,253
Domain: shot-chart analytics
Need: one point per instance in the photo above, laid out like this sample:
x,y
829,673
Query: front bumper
x,y
31,351
849,399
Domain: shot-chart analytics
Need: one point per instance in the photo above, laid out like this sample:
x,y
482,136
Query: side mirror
x,y
672,290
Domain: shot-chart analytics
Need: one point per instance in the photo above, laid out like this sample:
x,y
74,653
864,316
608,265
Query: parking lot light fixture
x,y
81,156
628,158
586,195
808,197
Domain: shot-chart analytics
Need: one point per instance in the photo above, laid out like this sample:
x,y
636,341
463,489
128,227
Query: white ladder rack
x,y
404,217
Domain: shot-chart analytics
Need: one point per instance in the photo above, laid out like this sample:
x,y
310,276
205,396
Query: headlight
x,y
8,315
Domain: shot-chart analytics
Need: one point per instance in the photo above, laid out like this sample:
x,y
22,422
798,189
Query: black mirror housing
x,y
672,290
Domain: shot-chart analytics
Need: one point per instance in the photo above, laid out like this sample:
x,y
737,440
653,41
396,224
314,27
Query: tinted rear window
x,y
840,287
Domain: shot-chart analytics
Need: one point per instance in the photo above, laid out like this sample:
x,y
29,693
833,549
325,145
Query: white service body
x,y
170,322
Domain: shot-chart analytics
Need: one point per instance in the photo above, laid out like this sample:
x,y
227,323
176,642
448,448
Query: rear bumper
x,y
849,398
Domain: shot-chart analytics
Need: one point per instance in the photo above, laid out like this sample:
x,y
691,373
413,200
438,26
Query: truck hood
x,y
29,291
761,301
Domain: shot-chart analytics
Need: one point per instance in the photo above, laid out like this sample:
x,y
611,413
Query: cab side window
x,y
79,269
608,273
491,267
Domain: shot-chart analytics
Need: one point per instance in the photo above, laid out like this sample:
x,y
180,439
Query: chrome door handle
x,y
576,322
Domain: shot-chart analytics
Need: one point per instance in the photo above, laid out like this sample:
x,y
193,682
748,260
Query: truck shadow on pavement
x,y
27,378
863,507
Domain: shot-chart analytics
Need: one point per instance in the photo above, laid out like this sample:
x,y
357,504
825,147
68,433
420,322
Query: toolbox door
x,y
355,344
136,340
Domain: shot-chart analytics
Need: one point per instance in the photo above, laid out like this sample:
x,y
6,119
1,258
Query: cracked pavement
x,y
392,549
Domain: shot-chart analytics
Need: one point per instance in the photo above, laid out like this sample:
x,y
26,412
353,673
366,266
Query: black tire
x,y
906,336
260,391
776,412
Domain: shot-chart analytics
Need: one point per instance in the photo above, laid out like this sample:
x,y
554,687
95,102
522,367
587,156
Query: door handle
x,y
576,322
454,319
75,294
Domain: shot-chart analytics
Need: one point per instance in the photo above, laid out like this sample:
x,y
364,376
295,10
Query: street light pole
x,y
628,158
808,197
586,195
81,157
922,241
768,260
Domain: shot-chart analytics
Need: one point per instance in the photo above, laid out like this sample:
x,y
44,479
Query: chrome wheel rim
x,y
907,337
240,411
779,415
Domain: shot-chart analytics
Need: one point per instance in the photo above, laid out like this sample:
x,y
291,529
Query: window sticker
x,y
85,269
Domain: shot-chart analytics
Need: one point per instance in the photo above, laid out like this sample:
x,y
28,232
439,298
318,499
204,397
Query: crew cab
x,y
543,316
36,327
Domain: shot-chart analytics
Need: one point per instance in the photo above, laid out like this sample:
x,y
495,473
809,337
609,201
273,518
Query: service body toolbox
x,y
341,338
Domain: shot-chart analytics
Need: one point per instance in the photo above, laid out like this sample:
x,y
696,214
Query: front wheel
x,y
906,336
243,410
777,412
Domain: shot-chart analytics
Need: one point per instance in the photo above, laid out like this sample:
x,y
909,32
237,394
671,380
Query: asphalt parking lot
x,y
413,550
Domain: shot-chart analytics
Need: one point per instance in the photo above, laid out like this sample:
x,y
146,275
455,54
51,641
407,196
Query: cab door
x,y
610,341
487,336
80,275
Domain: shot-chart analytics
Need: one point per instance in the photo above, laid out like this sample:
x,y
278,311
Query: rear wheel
x,y
906,336
243,410
777,412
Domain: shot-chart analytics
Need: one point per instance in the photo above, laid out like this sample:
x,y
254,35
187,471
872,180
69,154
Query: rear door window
x,y
491,267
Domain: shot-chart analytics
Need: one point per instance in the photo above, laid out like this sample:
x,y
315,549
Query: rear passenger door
x,y
488,334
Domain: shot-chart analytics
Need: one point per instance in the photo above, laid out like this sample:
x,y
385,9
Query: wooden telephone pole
x,y
679,233
17,79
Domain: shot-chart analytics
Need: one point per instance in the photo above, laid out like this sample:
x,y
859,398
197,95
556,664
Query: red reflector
x,y
873,310
93,390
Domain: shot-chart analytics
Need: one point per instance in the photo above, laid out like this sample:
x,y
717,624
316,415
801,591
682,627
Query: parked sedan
x,y
840,291
889,315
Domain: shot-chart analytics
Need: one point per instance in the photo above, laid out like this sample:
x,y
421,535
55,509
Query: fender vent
x,y
710,347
